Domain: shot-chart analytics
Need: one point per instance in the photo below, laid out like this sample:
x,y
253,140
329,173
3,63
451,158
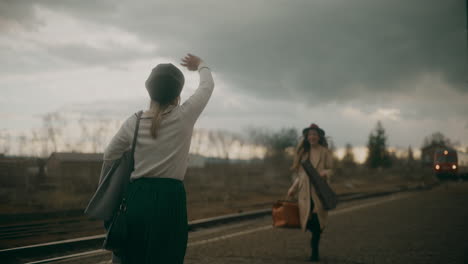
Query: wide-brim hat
x,y
165,83
315,127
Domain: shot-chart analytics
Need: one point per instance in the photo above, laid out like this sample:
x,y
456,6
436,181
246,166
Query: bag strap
x,y
309,168
122,206
135,135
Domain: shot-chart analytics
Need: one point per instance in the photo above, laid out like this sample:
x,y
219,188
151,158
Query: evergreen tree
x,y
332,148
410,162
331,145
348,158
410,155
377,155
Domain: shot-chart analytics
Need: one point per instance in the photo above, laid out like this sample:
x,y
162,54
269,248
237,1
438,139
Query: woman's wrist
x,y
202,65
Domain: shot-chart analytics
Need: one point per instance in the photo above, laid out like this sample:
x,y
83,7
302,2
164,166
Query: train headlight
x,y
454,167
437,167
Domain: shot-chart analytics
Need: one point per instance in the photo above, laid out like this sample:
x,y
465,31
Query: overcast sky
x,y
341,64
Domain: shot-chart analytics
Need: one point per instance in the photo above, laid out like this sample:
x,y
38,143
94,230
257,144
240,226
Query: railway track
x,y
87,246
46,227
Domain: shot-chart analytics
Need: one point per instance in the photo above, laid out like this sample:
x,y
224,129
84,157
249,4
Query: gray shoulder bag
x,y
113,182
117,230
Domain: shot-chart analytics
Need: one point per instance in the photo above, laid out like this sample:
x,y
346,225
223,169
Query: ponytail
x,y
159,111
156,120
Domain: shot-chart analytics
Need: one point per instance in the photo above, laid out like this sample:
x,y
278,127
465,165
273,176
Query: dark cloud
x,y
14,13
88,55
47,58
308,51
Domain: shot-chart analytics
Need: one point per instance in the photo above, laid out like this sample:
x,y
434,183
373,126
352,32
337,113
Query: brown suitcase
x,y
286,214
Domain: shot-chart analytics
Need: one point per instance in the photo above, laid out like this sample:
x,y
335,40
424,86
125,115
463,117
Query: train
x,y
450,164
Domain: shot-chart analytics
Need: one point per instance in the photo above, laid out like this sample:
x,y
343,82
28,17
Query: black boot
x,y
315,246
315,240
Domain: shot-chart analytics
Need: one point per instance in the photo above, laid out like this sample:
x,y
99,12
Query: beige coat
x,y
301,183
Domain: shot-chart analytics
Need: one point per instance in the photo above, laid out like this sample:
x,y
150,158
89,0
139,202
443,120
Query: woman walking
x,y
156,203
312,215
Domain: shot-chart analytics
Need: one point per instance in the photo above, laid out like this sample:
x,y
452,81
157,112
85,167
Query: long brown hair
x,y
303,148
159,111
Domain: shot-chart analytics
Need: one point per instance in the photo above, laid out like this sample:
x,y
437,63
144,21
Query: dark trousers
x,y
313,225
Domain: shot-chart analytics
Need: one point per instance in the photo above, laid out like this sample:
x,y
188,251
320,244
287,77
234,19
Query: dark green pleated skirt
x,y
157,221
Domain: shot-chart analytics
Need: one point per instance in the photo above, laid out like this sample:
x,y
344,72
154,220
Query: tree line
x,y
281,143
255,142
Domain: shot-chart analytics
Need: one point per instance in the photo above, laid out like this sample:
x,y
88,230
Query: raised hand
x,y
191,62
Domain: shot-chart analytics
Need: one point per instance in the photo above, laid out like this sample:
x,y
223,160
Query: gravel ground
x,y
421,227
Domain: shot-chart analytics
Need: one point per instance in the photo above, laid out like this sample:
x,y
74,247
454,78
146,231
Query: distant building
x,y
74,171
19,173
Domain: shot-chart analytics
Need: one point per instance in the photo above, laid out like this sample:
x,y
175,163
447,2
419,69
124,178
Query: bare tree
x,y
94,133
276,142
53,125
35,143
196,142
225,142
99,134
219,142
85,133
410,155
5,139
22,143
437,139
241,148
45,150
